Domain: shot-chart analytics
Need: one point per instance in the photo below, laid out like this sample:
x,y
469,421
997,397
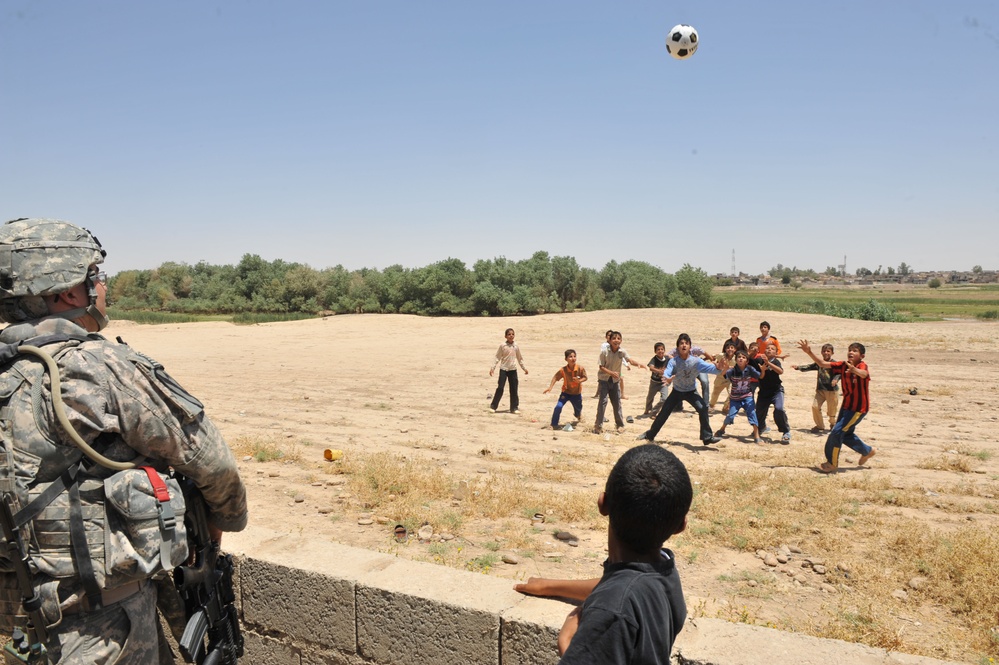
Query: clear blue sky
x,y
370,133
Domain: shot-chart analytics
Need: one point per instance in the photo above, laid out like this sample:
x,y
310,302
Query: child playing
x,y
772,392
826,389
740,345
856,381
722,384
766,338
507,357
682,371
742,377
609,380
572,376
657,366
633,613
603,347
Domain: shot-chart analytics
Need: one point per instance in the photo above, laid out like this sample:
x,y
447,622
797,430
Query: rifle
x,y
206,587
29,646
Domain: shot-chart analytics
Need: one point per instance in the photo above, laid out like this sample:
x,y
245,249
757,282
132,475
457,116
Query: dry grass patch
x,y
946,462
756,509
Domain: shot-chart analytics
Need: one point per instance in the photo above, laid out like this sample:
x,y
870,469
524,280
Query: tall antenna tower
x,y
842,267
734,273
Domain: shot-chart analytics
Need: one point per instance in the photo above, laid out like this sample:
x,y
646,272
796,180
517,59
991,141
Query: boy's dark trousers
x,y
780,415
673,399
505,374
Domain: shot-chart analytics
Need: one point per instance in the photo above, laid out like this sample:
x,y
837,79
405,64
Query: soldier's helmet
x,y
41,257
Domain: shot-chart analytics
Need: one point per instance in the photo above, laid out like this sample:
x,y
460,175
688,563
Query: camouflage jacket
x,y
111,391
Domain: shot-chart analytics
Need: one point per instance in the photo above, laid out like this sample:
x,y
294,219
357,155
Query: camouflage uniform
x,y
123,404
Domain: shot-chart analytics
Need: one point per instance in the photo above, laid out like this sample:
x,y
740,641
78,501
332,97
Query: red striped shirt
x,y
856,395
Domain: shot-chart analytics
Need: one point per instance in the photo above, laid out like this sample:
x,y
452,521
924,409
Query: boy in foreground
x,y
633,613
856,381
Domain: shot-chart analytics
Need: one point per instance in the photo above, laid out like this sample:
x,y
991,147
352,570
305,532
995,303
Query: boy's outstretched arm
x,y
803,345
569,628
543,586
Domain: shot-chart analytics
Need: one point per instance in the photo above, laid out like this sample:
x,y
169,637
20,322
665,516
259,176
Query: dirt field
x,y
419,388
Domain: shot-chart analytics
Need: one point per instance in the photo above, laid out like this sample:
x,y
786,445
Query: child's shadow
x,y
694,448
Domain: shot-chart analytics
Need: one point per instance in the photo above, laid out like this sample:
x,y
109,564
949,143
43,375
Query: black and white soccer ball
x,y
681,43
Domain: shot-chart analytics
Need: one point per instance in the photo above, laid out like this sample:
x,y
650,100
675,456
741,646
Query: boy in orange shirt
x,y
572,376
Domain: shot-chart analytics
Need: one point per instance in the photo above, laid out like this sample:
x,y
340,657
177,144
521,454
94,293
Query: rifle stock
x,y
206,588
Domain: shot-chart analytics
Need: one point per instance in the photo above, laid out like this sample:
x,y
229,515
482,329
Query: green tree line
x,y
496,287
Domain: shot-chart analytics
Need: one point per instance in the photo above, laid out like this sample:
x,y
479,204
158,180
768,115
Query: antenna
x,y
734,273
842,267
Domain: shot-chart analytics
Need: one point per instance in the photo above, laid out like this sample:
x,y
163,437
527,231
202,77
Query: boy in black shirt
x,y
633,613
657,366
772,392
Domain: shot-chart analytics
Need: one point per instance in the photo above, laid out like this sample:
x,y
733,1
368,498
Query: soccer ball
x,y
682,41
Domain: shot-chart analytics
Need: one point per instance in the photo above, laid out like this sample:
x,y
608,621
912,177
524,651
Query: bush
x,y
934,283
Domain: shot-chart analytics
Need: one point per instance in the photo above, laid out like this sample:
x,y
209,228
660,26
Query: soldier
x,y
91,558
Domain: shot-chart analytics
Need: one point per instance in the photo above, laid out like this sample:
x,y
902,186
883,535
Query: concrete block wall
x,y
310,602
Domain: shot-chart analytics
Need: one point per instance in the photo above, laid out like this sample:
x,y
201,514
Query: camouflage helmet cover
x,y
40,257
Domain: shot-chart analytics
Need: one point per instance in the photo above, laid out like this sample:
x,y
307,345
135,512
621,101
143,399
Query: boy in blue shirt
x,y
682,372
633,613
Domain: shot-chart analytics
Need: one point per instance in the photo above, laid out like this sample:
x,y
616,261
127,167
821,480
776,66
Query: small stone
x,y
273,474
343,496
752,583
365,521
819,570
842,567
447,537
510,559
572,543
248,458
781,557
461,491
325,510
761,554
770,560
827,588
425,532
552,555
299,498
564,535
917,583
482,471
381,519
900,594
801,579
317,484
806,563
404,431
783,549
794,549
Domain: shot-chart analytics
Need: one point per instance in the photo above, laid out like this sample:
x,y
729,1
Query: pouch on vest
x,y
145,525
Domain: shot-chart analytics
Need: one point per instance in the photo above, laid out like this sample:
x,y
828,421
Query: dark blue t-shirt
x,y
631,617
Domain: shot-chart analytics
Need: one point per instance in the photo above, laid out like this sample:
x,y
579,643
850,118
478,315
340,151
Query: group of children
x,y
633,613
750,373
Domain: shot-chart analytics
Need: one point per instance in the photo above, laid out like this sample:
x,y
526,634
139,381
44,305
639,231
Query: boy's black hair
x,y
568,351
508,330
830,347
647,496
655,347
734,329
615,332
740,352
859,347
609,332
765,323
683,336
727,344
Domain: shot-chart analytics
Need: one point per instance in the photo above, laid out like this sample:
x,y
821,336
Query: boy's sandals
x,y
826,467
720,433
864,458
758,441
817,430
786,438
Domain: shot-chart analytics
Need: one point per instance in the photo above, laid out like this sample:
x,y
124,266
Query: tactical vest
x,y
79,520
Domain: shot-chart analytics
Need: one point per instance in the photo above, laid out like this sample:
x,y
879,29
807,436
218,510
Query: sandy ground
x,y
419,387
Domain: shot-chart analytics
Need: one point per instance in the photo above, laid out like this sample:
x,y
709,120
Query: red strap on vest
x,y
159,487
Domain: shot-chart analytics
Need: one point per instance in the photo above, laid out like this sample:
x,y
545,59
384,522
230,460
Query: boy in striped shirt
x,y
856,379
